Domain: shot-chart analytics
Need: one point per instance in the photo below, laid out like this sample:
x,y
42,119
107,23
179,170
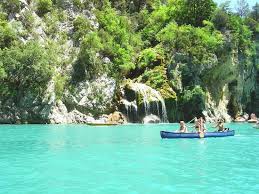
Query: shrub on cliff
x,y
89,64
120,42
25,67
193,102
81,27
44,6
7,34
11,6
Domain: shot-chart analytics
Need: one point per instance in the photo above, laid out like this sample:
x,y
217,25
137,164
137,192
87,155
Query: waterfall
x,y
161,100
150,95
131,108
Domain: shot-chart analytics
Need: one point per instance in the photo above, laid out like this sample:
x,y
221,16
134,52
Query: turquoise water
x,y
132,159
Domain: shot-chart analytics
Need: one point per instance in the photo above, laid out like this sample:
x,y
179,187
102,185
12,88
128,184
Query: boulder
x,y
116,118
151,119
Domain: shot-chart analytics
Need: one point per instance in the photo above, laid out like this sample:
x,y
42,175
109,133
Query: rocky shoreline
x,y
81,106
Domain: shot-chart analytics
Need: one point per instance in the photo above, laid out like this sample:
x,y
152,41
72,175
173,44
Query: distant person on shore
x,y
183,128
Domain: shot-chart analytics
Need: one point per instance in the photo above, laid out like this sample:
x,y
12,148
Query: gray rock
x,y
151,119
95,97
78,117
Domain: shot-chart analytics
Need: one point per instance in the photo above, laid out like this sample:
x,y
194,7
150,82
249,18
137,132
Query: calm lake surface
x,y
75,159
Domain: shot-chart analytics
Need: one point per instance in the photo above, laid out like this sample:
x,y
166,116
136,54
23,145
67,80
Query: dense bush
x,y
120,43
25,67
81,27
7,34
89,63
193,102
11,6
194,12
60,83
44,6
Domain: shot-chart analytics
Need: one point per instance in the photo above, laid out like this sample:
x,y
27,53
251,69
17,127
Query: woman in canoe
x,y
183,128
196,124
220,125
202,127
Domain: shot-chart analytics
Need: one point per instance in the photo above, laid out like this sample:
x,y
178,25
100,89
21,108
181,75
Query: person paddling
x,y
196,124
220,125
202,127
183,128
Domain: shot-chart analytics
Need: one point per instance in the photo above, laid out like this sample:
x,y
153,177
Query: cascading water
x,y
131,109
152,101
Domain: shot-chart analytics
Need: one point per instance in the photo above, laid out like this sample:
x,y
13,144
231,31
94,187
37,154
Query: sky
x,y
233,2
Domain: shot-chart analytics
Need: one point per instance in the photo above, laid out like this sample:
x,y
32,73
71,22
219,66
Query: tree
x,y
225,7
11,6
44,6
242,8
22,67
194,12
220,19
7,34
89,64
255,12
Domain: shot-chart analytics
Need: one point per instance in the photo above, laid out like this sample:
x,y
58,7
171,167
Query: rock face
x,y
88,99
214,111
95,97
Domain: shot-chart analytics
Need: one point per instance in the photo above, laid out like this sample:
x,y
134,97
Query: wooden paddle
x,y
189,123
191,120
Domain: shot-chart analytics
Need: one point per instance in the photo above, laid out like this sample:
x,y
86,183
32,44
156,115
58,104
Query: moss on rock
x,y
157,79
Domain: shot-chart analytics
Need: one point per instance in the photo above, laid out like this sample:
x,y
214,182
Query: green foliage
x,y
155,21
252,24
52,20
193,48
44,6
157,79
78,4
81,27
11,6
120,43
187,46
150,57
60,83
193,102
189,39
29,20
89,63
25,66
221,19
194,12
7,34
242,36
255,12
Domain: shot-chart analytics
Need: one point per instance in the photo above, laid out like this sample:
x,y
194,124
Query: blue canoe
x,y
170,135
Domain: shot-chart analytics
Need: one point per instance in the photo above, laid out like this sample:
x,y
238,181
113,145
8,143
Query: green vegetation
x,y
24,67
44,6
182,48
